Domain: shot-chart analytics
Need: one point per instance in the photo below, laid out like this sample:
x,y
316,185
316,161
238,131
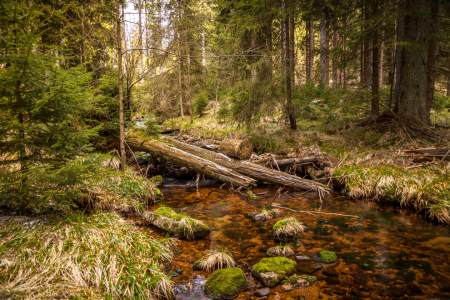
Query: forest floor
x,y
367,162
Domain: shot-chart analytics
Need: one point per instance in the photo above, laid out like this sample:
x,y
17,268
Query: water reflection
x,y
385,253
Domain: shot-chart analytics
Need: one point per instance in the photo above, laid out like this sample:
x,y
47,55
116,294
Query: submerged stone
x,y
182,225
327,256
225,283
273,270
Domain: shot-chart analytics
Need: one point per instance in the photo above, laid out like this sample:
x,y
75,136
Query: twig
x,y
132,152
273,199
315,212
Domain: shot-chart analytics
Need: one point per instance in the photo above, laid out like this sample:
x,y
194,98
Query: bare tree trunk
x,y
292,49
311,50
362,71
124,45
141,62
286,64
189,83
375,67
399,51
412,97
367,50
380,72
324,47
180,61
335,48
433,50
307,51
121,120
203,46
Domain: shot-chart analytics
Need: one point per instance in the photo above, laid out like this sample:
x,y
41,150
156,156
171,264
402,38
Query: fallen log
x,y
252,170
240,149
190,161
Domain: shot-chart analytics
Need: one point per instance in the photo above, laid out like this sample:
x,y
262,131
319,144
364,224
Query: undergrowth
x,y
425,189
81,255
93,180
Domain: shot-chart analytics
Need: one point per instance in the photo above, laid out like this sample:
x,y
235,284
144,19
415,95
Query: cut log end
x,y
240,149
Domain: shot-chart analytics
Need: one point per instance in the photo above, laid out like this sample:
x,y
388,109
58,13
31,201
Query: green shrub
x,y
200,103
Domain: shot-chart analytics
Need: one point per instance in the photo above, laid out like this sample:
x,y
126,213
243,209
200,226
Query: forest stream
x,y
384,252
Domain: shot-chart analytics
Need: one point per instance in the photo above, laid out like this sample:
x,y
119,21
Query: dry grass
x,y
217,259
269,214
281,250
424,189
289,227
100,255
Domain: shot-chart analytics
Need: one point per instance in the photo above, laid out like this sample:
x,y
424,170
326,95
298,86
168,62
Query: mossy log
x,y
251,170
240,149
190,161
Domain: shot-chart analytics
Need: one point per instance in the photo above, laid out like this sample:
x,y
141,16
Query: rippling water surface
x,y
384,253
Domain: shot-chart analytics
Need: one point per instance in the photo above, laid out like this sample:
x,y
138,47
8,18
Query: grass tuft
x,y
217,259
78,254
424,189
281,250
289,227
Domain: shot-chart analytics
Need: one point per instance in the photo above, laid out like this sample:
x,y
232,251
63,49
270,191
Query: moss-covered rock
x,y
327,256
273,270
295,282
179,224
225,283
289,228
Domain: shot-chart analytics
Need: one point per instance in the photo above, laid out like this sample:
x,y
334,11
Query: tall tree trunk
x,y
286,64
311,50
292,49
180,61
448,85
412,98
189,85
380,72
375,67
335,48
121,119
433,50
141,62
124,39
324,47
362,71
399,51
367,48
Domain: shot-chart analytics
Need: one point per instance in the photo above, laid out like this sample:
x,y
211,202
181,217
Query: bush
x,y
152,127
200,103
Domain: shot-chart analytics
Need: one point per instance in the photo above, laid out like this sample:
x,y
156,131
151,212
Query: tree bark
x,y
141,62
240,149
375,69
413,88
399,51
252,170
335,48
180,61
324,47
121,119
191,162
433,50
311,50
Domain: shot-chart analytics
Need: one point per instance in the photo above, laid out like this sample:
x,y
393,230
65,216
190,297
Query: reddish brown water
x,y
385,253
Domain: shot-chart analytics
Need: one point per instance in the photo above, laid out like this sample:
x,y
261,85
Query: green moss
x,y
279,265
224,204
327,256
279,224
169,213
157,180
225,283
310,278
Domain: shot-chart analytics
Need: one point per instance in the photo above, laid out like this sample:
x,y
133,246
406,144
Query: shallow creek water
x,y
385,253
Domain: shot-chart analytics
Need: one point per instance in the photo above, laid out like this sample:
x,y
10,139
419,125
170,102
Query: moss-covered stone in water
x,y
279,224
225,283
327,256
273,270
310,278
168,212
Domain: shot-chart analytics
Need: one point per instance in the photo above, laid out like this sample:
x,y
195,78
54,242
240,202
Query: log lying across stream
x,y
201,156
190,161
